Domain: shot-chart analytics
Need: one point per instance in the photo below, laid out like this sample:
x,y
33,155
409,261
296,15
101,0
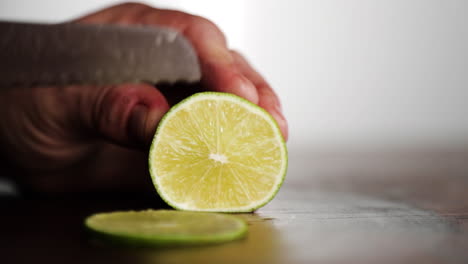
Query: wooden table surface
x,y
335,207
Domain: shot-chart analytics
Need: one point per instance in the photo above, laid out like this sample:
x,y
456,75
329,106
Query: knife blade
x,y
42,54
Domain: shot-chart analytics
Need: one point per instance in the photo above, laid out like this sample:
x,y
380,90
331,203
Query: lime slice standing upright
x,y
217,152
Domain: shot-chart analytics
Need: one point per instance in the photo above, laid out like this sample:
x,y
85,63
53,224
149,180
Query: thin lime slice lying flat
x,y
217,152
165,227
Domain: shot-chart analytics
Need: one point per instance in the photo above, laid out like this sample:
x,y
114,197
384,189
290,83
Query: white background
x,y
349,73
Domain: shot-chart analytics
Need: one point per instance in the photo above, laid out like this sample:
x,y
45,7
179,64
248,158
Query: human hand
x,y
89,138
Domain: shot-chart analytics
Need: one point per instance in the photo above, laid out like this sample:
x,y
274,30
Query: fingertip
x,y
156,106
128,114
154,117
142,123
282,123
137,123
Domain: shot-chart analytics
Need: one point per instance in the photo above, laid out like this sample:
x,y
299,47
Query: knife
x,y
43,54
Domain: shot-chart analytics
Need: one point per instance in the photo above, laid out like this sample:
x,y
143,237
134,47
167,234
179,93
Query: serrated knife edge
x,y
42,54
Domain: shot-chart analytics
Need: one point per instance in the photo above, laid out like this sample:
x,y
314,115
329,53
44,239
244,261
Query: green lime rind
x,y
217,228
240,99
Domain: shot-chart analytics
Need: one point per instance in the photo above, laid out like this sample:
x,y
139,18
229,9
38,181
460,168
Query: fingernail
x,y
137,123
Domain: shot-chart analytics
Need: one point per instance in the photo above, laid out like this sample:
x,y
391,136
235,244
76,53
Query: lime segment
x,y
166,227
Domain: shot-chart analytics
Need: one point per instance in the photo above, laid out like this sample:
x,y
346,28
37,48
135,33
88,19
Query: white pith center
x,y
219,158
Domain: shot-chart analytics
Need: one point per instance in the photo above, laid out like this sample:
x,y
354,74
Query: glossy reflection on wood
x,y
335,207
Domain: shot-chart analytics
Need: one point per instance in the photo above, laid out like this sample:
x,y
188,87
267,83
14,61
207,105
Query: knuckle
x,y
206,24
200,24
133,5
236,53
239,58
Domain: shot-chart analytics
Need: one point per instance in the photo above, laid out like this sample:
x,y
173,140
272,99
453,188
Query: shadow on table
x,y
50,230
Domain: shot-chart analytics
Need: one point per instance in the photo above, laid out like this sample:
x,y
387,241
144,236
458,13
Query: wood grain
x,y
335,207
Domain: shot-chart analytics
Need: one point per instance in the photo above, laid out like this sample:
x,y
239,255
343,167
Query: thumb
x,y
126,114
